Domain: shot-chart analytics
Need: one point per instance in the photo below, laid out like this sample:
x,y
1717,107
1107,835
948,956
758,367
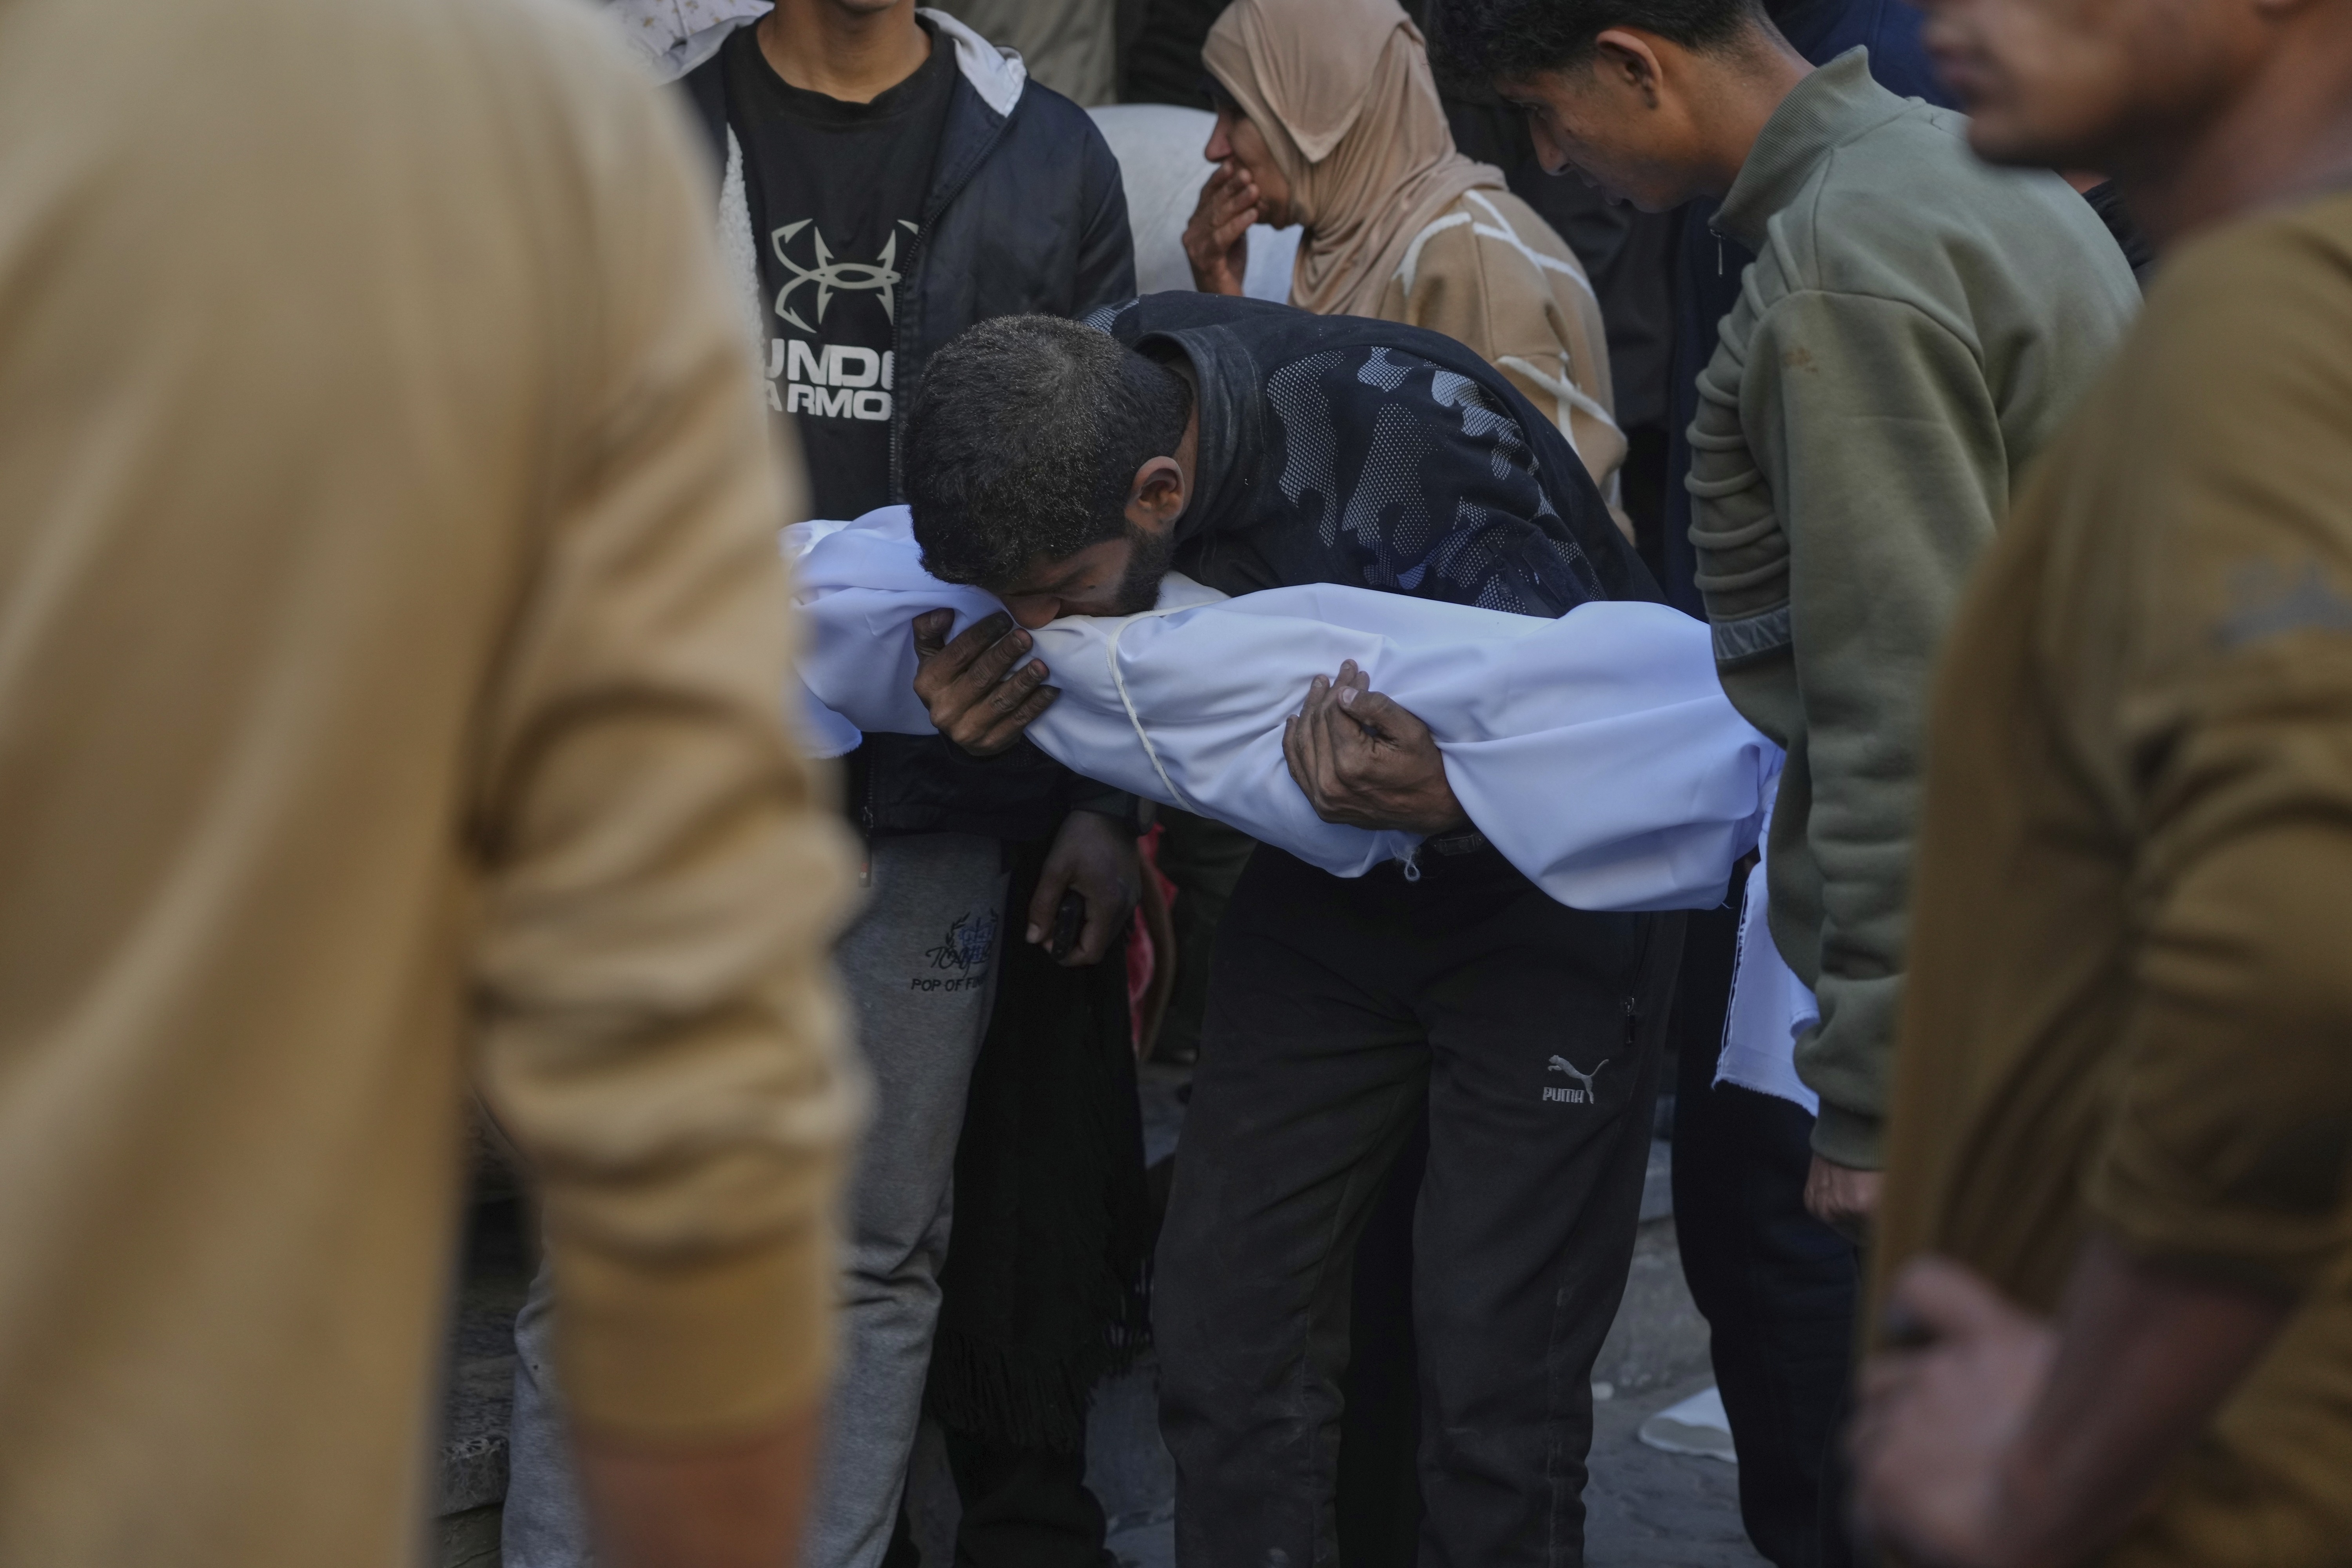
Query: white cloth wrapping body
x,y
1597,752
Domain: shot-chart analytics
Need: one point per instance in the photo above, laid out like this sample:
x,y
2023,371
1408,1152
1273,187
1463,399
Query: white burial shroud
x,y
1596,752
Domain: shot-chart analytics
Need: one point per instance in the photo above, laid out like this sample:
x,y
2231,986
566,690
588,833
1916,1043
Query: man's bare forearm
x,y
737,1504
2004,1440
2146,1354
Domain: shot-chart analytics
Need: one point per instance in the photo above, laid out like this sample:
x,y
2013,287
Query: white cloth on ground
x,y
1596,753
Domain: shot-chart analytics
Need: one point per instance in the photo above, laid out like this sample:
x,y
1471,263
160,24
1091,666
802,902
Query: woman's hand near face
x,y
1216,242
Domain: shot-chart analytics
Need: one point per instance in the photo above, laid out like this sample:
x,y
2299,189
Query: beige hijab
x,y
1341,91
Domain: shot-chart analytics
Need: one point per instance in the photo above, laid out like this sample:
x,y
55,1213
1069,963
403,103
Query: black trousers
x,y
1339,1008
1021,1508
1776,1286
1203,858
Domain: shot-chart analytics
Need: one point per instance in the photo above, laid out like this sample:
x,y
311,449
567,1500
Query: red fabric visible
x,y
1142,962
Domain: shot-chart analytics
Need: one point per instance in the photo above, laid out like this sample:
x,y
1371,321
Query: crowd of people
x,y
536,540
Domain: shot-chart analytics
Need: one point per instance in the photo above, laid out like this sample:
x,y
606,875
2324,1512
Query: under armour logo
x,y
831,276
1574,1096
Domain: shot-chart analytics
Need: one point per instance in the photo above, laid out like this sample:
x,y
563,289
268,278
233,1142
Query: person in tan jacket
x,y
391,640
1327,117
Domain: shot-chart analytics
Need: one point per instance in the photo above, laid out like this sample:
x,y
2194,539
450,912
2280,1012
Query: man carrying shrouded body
x,y
1250,446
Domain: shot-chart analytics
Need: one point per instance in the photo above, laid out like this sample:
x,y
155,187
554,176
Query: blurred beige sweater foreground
x,y
391,642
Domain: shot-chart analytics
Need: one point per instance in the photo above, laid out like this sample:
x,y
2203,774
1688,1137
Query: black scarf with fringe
x,y
1047,1288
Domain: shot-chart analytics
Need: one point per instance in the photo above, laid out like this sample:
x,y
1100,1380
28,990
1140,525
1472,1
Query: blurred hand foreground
x,y
1988,1438
739,1505
1937,1423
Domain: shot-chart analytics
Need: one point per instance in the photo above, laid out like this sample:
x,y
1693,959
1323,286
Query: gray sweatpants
x,y
919,966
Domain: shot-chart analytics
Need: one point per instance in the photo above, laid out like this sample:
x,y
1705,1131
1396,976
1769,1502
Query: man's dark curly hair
x,y
1473,42
1023,440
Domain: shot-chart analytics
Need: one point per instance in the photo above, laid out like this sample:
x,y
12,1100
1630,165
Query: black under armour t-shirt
x,y
836,192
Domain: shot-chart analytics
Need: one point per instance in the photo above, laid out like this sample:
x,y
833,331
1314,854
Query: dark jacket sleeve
x,y
1446,502
1107,248
1106,276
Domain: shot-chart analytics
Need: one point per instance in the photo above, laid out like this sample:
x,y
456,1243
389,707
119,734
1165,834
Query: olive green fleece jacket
x,y
1915,327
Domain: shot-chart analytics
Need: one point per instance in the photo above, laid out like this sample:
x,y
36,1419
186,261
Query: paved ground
x,y
1645,1509
1649,1509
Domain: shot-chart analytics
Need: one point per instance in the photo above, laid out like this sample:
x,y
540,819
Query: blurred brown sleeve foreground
x,y
392,638
2130,1009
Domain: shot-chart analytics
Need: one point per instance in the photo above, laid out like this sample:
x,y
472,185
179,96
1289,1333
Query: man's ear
x,y
1627,61
1157,498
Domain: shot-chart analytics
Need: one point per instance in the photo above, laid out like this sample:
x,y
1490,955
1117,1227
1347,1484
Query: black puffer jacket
x,y
1026,216
1341,449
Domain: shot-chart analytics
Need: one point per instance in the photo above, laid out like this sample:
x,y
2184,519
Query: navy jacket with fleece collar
x,y
1026,216
1379,454
1010,227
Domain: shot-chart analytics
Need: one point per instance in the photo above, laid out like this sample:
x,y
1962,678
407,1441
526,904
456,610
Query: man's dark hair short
x,y
1473,42
1023,440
